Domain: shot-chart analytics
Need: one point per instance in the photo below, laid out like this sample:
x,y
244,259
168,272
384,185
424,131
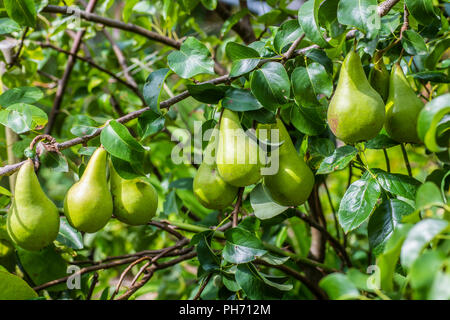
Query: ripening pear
x,y
294,181
402,108
135,200
209,187
379,76
88,204
356,110
33,219
237,158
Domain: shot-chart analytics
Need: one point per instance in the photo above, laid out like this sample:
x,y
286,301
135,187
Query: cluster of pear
x,y
33,219
237,163
357,111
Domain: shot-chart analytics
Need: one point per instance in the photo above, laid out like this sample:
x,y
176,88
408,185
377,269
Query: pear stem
x,y
336,224
237,206
405,157
386,158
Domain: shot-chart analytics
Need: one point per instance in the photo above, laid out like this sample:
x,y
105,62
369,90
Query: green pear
x,y
33,219
379,76
356,110
209,187
294,181
135,200
88,204
402,108
238,160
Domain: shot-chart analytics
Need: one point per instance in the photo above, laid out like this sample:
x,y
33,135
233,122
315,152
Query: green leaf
x,y
428,121
7,26
21,11
118,141
423,271
253,284
14,288
308,120
43,266
182,183
358,203
286,35
207,93
432,76
340,158
207,258
209,4
308,17
244,58
192,59
422,10
397,184
387,261
232,20
170,205
22,117
436,54
321,57
68,236
240,100
309,82
263,205
53,160
242,246
413,43
126,169
428,195
339,287
128,9
82,130
440,289
26,95
270,85
150,123
381,141
418,238
361,14
273,259
384,221
153,87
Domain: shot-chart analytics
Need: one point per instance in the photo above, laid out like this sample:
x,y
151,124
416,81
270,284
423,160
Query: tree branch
x,y
241,28
130,85
9,169
114,24
62,85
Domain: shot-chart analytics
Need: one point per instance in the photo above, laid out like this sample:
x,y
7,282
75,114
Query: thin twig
x,y
237,206
314,288
203,286
92,287
62,85
15,58
333,241
405,157
386,158
336,223
11,168
114,24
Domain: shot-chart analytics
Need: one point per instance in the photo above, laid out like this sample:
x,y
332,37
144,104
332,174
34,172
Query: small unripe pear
x,y
237,158
135,200
33,219
88,204
209,187
402,108
356,110
294,181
